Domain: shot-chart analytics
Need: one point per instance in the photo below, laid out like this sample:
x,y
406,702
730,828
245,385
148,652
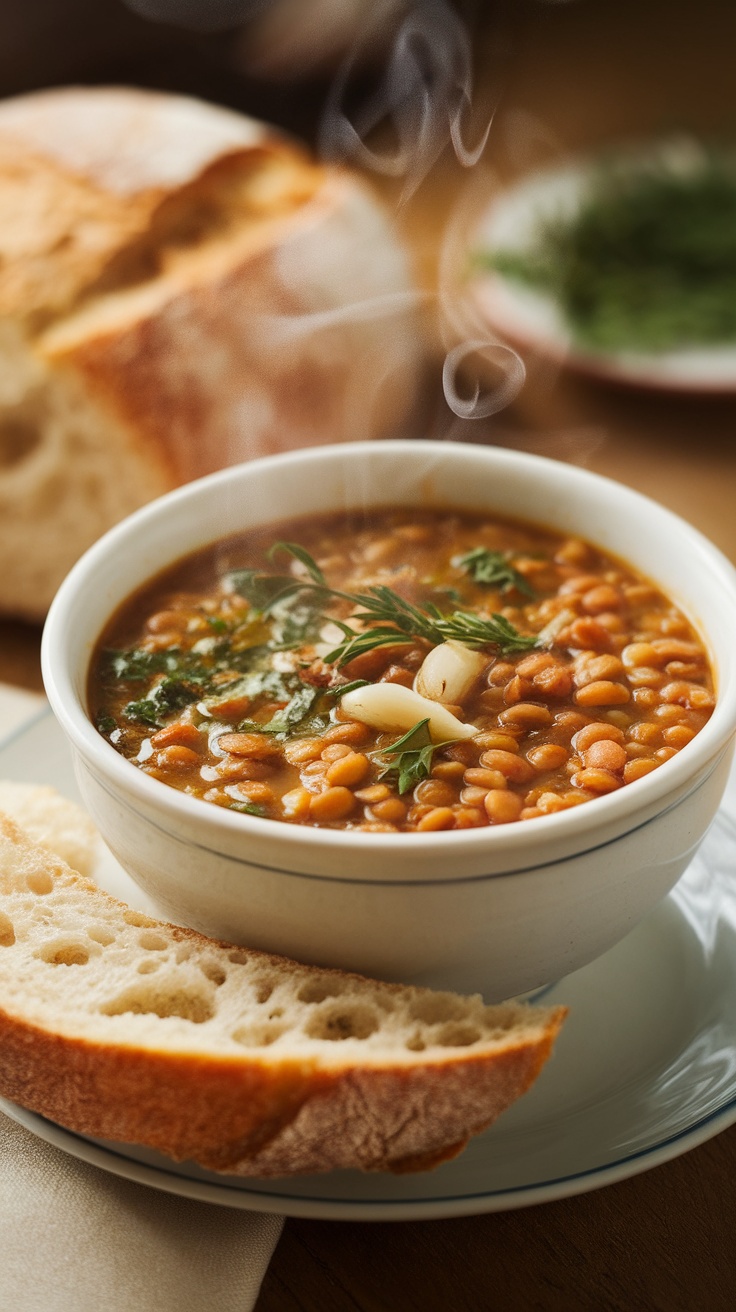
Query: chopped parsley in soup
x,y
411,670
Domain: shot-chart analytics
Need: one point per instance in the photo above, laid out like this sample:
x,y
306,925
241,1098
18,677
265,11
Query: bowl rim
x,y
653,793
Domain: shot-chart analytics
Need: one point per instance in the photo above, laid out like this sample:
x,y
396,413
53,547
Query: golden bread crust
x,y
180,289
127,141
235,325
246,1118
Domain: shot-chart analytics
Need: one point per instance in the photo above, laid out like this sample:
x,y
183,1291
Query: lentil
x,y
502,806
526,715
512,767
592,733
332,804
255,745
469,817
254,791
440,817
548,756
599,781
606,755
435,792
637,769
392,810
177,758
181,735
349,770
473,794
622,687
602,693
482,777
374,793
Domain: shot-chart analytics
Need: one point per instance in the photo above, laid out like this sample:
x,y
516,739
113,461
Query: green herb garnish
x,y
341,688
391,620
494,569
136,663
431,627
190,675
301,554
413,754
288,612
166,697
258,588
648,260
296,710
295,620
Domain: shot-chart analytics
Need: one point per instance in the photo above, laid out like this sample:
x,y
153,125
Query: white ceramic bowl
x,y
501,910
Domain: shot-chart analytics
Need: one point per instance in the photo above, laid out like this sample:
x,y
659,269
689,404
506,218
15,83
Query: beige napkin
x,y
76,1239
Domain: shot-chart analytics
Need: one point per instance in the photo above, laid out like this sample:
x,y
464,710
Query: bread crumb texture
x,y
53,821
122,1026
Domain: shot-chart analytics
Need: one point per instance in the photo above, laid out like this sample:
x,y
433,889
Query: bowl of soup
x,y
436,713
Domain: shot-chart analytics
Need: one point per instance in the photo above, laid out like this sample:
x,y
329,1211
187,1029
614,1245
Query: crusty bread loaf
x,y
122,1027
180,289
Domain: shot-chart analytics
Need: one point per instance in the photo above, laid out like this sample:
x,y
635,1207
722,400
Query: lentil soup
x,y
408,671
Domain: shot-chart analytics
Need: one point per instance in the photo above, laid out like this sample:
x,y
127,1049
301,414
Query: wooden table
x,y
663,1241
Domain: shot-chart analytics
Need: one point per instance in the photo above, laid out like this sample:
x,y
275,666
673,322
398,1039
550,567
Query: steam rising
x,y
419,54
422,104
467,339
424,95
278,329
479,405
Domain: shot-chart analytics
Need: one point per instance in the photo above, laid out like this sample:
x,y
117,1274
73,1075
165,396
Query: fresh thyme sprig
x,y
462,625
388,619
300,554
494,569
479,631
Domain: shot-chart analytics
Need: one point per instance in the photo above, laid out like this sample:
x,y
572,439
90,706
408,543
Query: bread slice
x,y
180,289
122,1027
53,821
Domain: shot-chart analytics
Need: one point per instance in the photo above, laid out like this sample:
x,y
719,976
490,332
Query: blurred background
x,y
353,82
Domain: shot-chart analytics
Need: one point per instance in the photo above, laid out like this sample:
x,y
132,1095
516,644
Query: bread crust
x,y
244,1118
193,376
180,289
262,1112
126,140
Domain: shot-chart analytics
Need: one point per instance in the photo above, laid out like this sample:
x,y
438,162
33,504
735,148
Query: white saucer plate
x,y
644,1070
533,320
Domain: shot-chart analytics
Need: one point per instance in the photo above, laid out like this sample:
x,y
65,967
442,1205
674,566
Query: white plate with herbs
x,y
620,265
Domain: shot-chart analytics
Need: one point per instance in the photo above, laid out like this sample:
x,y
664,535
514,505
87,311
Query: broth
x,y
410,670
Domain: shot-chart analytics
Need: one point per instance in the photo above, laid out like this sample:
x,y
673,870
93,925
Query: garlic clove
x,y
391,706
449,672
